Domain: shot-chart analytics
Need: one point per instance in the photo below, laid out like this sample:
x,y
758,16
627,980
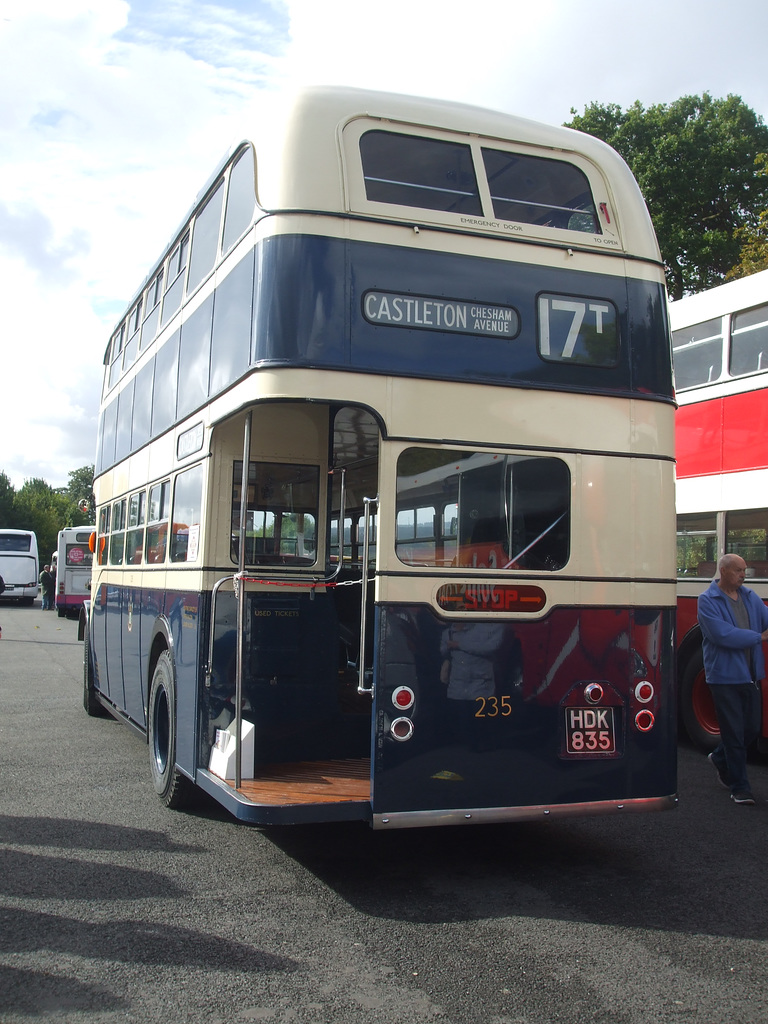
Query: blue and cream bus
x,y
385,479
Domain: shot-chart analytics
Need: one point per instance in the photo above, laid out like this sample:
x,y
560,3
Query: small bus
x,y
385,479
19,565
720,350
74,557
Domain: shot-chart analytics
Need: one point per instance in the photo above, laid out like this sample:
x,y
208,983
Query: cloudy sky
x,y
114,112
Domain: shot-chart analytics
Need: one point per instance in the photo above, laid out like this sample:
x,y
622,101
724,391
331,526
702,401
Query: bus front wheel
x,y
174,789
697,709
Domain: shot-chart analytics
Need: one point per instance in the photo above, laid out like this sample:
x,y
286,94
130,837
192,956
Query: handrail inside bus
x,y
240,600
240,577
361,687
535,541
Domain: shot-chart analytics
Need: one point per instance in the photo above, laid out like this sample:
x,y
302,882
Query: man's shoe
x,y
742,797
722,774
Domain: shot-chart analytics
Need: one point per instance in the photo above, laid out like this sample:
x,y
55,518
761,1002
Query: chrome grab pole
x,y
241,604
361,687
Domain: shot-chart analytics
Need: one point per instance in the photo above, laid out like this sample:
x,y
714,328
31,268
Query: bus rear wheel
x,y
697,708
174,789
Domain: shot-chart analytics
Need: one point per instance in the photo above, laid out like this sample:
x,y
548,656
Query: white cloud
x,y
115,129
536,60
120,110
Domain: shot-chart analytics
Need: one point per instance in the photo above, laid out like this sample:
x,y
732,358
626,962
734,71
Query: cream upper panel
x,y
308,158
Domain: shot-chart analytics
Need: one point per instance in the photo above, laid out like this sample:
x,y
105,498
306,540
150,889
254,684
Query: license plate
x,y
589,731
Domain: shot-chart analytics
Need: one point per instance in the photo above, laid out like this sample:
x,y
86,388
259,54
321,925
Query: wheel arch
x,y
161,640
690,643
696,710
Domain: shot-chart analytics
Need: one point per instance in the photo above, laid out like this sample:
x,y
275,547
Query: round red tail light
x,y
644,720
403,698
644,691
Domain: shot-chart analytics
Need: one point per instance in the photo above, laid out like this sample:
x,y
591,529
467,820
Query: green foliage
x,y
754,240
80,490
7,494
37,506
695,162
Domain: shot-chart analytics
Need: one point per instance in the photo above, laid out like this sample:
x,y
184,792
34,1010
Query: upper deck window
x,y
174,287
205,239
698,354
749,341
472,180
407,170
536,190
152,309
241,199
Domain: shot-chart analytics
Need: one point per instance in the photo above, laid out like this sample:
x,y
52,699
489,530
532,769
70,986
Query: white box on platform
x,y
222,761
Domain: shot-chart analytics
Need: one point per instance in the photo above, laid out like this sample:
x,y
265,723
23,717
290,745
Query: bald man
x,y
734,622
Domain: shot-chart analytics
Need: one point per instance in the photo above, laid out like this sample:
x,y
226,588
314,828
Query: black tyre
x,y
174,789
91,703
697,709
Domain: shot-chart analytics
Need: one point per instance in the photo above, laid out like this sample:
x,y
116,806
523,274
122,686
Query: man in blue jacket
x,y
734,622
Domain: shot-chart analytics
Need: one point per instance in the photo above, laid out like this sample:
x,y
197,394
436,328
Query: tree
x,y
79,490
38,507
695,162
754,241
7,494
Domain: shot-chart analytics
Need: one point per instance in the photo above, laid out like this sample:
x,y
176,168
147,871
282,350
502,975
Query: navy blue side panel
x,y
309,310
135,697
182,611
150,608
490,709
124,620
114,642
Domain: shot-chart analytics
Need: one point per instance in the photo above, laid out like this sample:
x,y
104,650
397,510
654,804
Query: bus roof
x,y
303,130
716,302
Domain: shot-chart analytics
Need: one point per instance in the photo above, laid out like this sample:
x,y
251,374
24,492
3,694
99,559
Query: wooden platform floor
x,y
309,782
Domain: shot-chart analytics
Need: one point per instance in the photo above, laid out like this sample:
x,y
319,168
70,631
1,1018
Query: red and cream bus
x,y
720,350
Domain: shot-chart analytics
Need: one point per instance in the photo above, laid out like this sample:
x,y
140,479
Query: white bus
x,y
19,565
385,479
720,349
74,558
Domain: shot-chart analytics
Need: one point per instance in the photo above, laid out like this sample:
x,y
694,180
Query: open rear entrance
x,y
310,782
305,644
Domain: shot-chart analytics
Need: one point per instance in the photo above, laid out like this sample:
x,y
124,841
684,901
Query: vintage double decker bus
x,y
385,479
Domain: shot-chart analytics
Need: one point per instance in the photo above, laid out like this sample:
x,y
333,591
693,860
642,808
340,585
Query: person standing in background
x,y
46,587
734,623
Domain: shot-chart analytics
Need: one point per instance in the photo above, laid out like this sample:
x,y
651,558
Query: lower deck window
x,y
281,513
697,545
482,510
746,534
